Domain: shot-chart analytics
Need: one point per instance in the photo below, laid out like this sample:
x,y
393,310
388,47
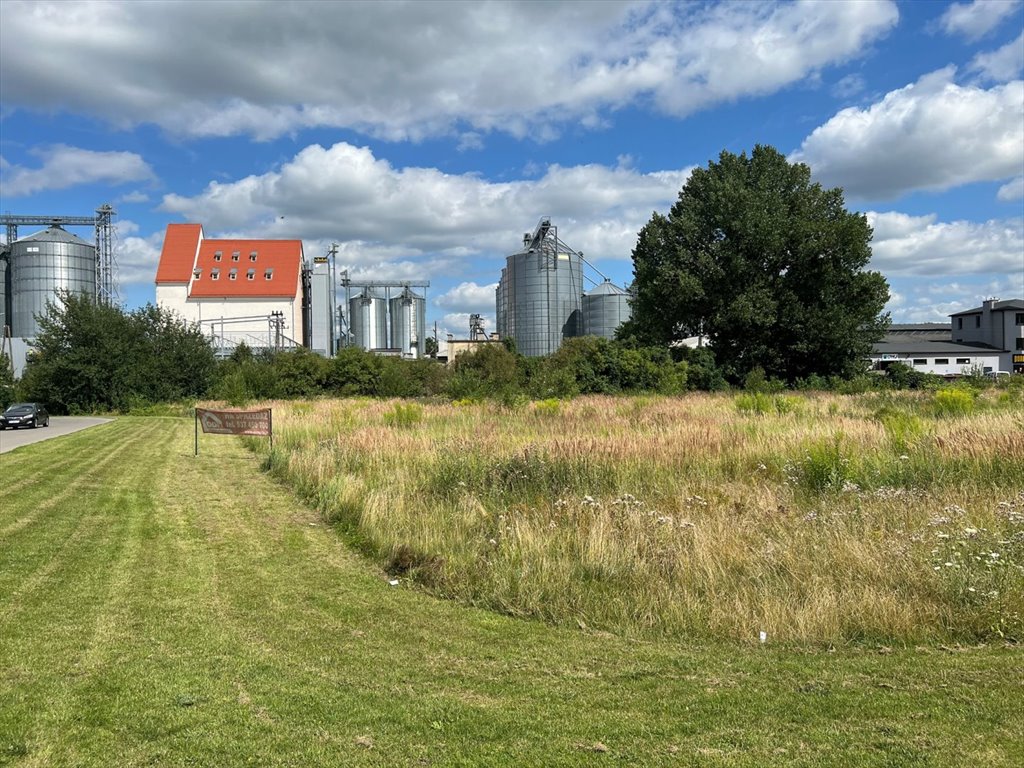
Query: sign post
x,y
259,423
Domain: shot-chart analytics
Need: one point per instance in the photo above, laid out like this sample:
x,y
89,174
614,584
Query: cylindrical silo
x,y
5,289
368,318
605,308
408,323
43,264
542,294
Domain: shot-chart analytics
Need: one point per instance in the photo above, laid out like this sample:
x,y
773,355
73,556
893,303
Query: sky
x,y
424,138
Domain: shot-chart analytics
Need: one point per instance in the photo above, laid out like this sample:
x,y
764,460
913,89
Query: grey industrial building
x,y
986,339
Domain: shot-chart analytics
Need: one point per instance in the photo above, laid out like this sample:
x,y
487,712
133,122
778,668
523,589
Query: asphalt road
x,y
59,425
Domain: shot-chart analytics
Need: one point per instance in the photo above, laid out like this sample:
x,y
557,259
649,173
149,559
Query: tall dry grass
x,y
827,519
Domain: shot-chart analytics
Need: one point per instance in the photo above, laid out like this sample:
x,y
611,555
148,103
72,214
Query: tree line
x,y
768,267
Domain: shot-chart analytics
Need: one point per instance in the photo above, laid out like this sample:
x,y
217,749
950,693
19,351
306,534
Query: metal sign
x,y
1018,358
259,423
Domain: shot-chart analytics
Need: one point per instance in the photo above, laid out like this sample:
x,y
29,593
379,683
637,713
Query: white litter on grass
x,y
764,636
393,582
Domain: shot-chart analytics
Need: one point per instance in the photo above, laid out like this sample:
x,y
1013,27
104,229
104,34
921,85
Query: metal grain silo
x,y
42,264
368,313
542,292
5,290
408,323
605,308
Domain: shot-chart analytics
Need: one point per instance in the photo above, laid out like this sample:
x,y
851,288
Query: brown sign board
x,y
235,422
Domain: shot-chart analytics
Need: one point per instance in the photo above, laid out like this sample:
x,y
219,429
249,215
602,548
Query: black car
x,y
24,415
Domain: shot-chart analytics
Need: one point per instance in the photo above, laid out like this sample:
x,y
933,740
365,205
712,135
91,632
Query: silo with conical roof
x,y
41,267
605,308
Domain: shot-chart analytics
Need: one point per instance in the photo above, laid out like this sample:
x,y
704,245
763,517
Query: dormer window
x,y
217,255
197,273
252,256
235,256
250,275
215,274
268,275
233,274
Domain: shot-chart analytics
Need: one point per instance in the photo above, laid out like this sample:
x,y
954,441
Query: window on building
x,y
920,361
268,275
250,275
942,361
977,321
963,361
959,323
1020,343
215,274
217,255
1020,318
236,255
252,256
233,274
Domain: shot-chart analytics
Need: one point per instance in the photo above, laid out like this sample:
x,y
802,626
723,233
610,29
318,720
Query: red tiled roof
x,y
179,253
284,257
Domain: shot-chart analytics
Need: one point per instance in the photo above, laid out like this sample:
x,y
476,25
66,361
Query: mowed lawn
x,y
161,609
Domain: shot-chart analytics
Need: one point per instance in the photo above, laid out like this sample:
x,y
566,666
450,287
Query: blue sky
x,y
425,138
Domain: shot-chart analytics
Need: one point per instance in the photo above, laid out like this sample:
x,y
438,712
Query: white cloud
x,y
469,297
933,134
470,140
849,86
382,214
977,19
414,70
64,166
1002,64
1012,190
136,257
934,302
921,245
138,196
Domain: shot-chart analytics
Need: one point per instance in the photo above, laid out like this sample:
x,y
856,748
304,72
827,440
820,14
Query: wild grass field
x,y
825,519
162,609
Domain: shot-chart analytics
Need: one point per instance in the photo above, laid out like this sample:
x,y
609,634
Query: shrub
x,y
903,429
355,371
764,404
824,467
902,376
953,401
491,372
756,381
548,408
404,415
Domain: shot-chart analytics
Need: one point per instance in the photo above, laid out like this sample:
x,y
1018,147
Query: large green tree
x,y
91,356
766,265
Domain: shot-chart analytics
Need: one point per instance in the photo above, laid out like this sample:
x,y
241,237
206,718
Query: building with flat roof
x,y
986,339
998,324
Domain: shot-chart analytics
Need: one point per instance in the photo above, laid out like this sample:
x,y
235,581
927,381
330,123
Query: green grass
x,y
163,610
687,517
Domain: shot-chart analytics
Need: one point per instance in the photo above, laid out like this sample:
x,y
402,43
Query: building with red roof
x,y
238,290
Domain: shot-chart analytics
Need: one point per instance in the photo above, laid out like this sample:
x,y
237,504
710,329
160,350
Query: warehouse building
x,y
986,339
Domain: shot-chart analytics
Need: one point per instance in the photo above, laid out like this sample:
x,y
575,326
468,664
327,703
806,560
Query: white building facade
x,y
239,291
